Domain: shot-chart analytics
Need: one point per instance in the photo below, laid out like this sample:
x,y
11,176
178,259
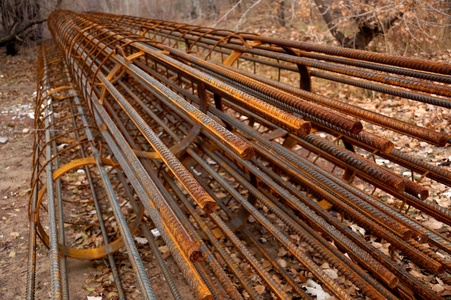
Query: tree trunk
x,y
368,30
195,7
448,11
212,10
18,32
281,13
20,19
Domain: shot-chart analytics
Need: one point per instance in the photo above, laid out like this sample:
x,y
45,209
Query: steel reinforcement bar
x,y
134,132
198,39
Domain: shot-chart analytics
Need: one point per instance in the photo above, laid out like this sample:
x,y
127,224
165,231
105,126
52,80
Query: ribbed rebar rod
x,y
206,147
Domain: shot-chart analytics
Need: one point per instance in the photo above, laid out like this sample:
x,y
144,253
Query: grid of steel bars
x,y
168,130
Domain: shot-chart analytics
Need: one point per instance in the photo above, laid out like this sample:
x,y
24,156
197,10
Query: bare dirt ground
x,y
17,85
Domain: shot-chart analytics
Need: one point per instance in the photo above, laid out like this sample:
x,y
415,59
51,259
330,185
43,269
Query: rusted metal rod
x,y
164,136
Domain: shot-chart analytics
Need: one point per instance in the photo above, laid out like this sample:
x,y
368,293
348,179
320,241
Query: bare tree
x,y
211,9
369,26
376,17
281,13
195,9
19,18
353,23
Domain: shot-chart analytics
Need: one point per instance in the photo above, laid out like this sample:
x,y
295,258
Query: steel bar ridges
x,y
268,46
179,33
181,132
62,119
197,36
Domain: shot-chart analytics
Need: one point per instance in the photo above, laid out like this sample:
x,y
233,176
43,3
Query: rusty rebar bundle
x,y
167,130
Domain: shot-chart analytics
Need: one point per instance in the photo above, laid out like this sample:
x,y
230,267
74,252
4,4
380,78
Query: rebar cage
x,y
221,142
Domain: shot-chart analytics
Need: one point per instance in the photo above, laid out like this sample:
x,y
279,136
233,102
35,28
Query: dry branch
x,y
17,32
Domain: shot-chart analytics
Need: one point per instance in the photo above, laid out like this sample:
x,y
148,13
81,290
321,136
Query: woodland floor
x,y
17,91
17,88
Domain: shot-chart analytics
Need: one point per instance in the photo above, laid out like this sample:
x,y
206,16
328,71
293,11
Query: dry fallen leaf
x,y
438,288
331,272
112,294
267,264
357,228
302,278
416,274
164,251
433,224
260,289
282,263
282,252
141,240
315,289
